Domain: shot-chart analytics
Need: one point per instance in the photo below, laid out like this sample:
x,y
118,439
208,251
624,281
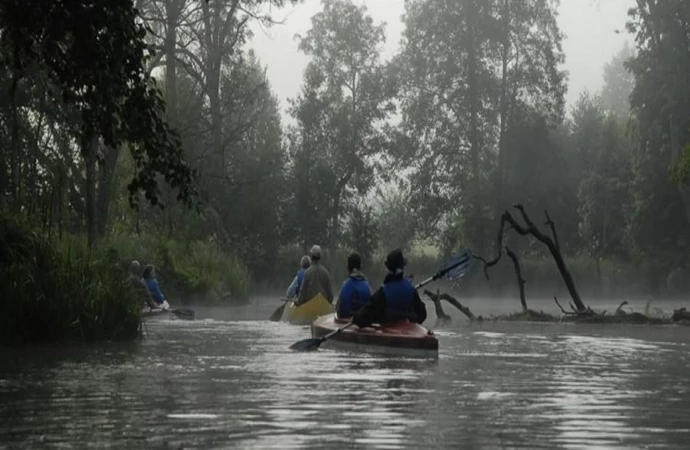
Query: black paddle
x,y
278,313
184,313
462,262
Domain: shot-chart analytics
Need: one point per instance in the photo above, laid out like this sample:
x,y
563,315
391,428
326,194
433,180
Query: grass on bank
x,y
189,272
60,291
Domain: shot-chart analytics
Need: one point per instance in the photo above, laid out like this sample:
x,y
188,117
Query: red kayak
x,y
399,338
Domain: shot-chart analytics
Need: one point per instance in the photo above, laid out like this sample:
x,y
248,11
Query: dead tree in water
x,y
552,243
436,298
518,272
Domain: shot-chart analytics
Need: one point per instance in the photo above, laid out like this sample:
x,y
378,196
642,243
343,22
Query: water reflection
x,y
223,384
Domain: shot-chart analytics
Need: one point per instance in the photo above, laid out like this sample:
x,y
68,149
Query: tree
x,y
362,233
604,197
346,98
659,103
618,83
471,68
93,57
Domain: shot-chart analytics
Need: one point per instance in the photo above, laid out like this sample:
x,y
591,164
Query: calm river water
x,y
228,380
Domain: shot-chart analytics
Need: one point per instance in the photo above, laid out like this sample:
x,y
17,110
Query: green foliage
x,y
187,271
362,233
618,83
659,103
465,83
604,193
346,97
397,224
93,55
55,292
680,172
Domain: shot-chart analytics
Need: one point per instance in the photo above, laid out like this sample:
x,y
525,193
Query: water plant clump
x,y
57,291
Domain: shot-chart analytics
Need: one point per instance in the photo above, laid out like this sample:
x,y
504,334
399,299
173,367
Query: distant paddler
x,y
294,288
139,286
316,281
149,277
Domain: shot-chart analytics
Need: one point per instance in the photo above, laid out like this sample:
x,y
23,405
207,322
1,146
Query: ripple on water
x,y
219,384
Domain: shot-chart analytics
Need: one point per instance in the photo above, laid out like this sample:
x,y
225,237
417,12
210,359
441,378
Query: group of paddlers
x,y
146,286
395,300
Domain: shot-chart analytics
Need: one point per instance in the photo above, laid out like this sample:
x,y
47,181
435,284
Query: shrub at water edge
x,y
55,292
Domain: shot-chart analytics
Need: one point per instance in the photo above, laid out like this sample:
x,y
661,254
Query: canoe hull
x,y
147,313
306,313
402,338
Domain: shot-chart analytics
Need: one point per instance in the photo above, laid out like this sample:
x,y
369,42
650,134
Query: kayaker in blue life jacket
x,y
397,299
355,292
293,290
149,277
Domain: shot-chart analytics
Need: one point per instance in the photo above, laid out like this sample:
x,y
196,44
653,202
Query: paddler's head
x,y
305,262
395,261
135,267
354,262
315,253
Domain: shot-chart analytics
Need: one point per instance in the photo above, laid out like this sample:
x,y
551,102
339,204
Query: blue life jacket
x,y
354,294
300,278
154,289
399,297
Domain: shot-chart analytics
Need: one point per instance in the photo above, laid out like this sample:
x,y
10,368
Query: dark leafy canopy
x,y
346,97
471,69
660,102
94,54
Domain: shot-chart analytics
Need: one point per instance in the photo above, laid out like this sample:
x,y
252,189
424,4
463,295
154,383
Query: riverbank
x,y
58,291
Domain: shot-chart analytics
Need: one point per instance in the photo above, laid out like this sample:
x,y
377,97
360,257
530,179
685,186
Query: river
x,y
228,380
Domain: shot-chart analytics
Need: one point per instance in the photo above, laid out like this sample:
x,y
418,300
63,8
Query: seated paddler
x,y
355,292
316,280
154,288
293,290
396,300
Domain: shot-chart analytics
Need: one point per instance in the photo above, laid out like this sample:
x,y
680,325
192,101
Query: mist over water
x,y
228,380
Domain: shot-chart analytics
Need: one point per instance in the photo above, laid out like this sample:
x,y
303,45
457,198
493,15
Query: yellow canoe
x,y
306,313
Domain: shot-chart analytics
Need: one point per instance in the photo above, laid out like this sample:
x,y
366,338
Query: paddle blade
x,y
307,345
463,264
278,313
184,313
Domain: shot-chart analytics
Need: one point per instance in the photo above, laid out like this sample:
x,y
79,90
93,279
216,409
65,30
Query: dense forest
x,y
148,130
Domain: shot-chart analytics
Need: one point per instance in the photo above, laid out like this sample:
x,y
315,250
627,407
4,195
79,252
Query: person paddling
x,y
293,290
396,300
355,292
316,281
140,287
154,288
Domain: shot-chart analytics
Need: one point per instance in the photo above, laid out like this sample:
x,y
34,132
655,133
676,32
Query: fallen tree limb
x,y
464,309
619,310
518,273
552,244
440,313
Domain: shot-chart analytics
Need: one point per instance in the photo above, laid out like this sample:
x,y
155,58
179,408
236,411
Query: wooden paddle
x,y
278,313
459,265
184,313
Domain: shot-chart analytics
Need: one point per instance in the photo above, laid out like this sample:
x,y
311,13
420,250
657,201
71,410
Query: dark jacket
x,y
141,290
316,281
404,303
354,294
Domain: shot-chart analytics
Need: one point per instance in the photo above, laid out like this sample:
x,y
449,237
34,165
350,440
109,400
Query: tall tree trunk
x,y
105,185
173,10
89,151
503,106
473,86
